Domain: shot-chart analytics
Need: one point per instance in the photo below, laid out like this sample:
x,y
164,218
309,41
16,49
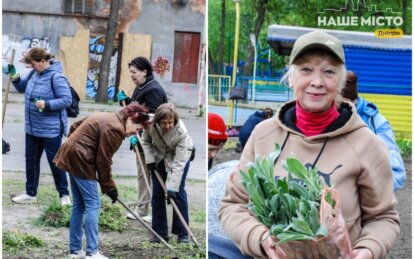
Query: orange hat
x,y
216,130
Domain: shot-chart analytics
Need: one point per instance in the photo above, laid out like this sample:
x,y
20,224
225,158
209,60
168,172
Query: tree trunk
x,y
404,17
261,12
102,92
221,43
211,70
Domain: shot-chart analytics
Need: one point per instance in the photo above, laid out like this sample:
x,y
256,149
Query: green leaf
x,y
282,185
295,167
301,226
322,231
313,219
291,236
299,189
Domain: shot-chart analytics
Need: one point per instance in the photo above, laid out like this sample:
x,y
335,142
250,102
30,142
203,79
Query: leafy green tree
x,y
257,15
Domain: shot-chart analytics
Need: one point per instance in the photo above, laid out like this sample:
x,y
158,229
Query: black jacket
x,y
149,93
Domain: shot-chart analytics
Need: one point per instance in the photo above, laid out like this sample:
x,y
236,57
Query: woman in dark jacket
x,y
47,95
87,156
150,93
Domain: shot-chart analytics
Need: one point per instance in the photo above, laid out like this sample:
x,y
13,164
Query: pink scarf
x,y
312,124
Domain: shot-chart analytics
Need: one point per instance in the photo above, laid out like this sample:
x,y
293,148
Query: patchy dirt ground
x,y
131,243
403,248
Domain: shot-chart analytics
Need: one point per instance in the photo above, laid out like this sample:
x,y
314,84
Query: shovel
x,y
140,163
6,95
187,228
145,225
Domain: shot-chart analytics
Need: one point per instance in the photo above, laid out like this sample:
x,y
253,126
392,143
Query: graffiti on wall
x,y
96,47
21,45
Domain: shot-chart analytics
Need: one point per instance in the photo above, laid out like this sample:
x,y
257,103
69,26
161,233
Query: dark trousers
x,y
158,202
34,151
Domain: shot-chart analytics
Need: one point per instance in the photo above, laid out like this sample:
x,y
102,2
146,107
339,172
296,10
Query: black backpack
x,y
73,109
5,147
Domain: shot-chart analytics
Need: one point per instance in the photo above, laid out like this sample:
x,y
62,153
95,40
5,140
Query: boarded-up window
x,y
186,52
79,6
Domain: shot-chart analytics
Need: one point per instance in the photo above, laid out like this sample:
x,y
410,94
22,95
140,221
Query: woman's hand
x,y
361,253
40,104
268,246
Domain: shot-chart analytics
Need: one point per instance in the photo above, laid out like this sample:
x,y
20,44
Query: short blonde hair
x,y
166,111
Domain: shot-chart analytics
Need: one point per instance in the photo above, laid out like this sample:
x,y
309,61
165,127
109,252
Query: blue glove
x,y
121,96
133,140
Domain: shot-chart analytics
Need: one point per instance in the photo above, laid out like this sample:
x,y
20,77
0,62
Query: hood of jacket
x,y
55,66
347,121
365,107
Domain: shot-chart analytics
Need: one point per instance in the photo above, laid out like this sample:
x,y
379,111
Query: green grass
x,y
127,193
406,147
111,216
15,241
55,216
198,215
195,181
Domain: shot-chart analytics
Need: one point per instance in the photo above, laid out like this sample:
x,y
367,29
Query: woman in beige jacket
x,y
323,132
168,148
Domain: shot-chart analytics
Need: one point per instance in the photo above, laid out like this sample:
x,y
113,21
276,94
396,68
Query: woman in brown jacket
x,y
87,157
325,133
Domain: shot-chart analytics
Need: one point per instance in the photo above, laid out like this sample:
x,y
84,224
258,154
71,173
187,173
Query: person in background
x,y
377,123
250,124
325,132
47,95
168,150
217,136
150,93
87,156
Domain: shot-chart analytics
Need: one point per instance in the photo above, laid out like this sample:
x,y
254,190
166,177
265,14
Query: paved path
x,y
123,161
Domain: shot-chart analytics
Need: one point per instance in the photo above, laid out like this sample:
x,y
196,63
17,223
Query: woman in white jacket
x,y
168,148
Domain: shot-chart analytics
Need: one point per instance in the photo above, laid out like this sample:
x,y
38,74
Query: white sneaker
x,y
77,255
147,218
24,199
96,256
65,200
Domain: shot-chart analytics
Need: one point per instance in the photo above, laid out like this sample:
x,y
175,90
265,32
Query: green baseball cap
x,y
317,39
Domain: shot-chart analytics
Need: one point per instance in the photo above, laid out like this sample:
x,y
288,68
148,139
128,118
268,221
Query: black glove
x,y
113,195
171,195
151,167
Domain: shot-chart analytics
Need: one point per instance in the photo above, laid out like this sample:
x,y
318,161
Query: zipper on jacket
x,y
31,96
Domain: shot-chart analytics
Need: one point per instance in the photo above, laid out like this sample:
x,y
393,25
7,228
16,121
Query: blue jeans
x,y
86,202
34,151
159,211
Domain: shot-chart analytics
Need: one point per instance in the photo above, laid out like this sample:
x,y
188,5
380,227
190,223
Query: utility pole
x,y
236,51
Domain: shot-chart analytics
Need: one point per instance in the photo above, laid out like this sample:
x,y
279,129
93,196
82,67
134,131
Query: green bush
x,y
15,241
405,146
55,215
111,216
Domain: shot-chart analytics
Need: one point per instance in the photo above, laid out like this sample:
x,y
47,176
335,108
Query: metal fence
x,y
268,92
